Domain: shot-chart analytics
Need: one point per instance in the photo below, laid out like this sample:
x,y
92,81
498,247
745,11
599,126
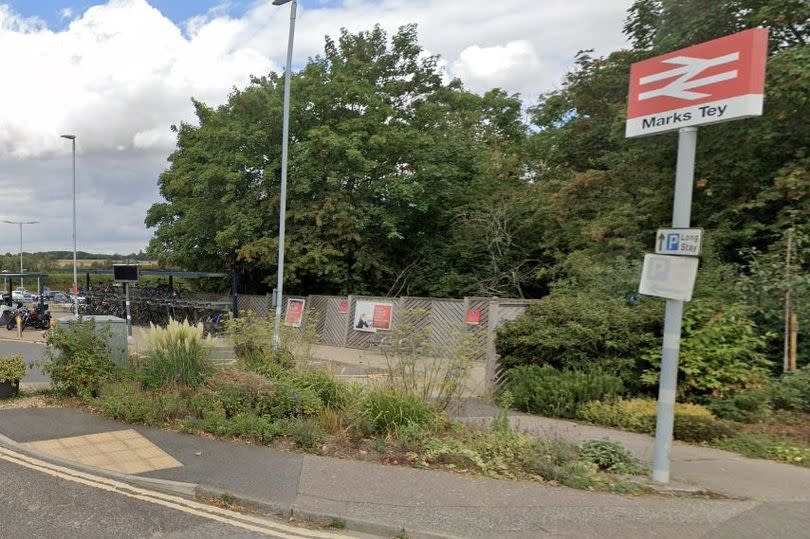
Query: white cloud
x,y
121,73
515,64
66,13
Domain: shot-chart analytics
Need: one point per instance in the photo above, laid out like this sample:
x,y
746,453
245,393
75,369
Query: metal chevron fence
x,y
357,322
448,321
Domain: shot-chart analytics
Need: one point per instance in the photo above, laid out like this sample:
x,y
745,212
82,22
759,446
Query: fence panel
x,y
331,322
258,305
447,325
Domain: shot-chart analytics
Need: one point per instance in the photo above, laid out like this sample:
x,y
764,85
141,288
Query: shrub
x,y
126,401
792,391
783,394
387,410
253,341
555,459
568,329
79,359
693,423
332,392
177,353
547,391
292,400
610,456
12,368
721,353
234,391
244,425
307,433
699,428
747,407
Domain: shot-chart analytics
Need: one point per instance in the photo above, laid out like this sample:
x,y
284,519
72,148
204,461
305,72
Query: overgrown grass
x,y
763,446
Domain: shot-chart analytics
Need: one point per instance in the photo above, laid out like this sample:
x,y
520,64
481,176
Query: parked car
x,y
60,297
22,295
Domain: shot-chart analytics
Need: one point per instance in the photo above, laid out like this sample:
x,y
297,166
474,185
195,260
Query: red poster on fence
x,y
295,312
381,318
473,317
343,307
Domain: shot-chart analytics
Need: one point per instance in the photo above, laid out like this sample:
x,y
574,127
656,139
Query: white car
x,y
22,295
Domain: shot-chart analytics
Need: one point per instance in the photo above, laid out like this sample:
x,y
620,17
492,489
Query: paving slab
x,y
257,472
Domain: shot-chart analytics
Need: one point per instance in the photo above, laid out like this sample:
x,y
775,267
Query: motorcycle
x,y
37,318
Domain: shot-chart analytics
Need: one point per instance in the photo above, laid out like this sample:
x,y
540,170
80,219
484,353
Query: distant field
x,y
89,262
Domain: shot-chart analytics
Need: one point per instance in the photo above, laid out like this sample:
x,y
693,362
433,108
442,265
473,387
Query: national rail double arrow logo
x,y
715,81
681,88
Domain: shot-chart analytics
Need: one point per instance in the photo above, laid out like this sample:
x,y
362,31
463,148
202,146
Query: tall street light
x,y
285,137
72,138
21,223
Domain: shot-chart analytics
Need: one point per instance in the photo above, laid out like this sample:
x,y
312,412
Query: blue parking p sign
x,y
672,242
678,241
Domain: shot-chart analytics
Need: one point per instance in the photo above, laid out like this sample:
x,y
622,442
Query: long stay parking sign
x,y
678,241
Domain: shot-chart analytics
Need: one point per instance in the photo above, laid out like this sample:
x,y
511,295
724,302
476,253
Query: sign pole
x,y
681,214
129,316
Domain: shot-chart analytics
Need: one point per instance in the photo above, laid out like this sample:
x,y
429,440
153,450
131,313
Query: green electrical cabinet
x,y
116,338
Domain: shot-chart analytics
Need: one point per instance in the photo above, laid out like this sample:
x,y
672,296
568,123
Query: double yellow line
x,y
239,520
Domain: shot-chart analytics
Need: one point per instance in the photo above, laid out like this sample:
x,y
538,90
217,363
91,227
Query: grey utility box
x,y
117,339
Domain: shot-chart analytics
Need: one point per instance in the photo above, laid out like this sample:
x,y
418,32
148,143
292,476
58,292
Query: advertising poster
x,y
473,317
343,306
295,312
371,316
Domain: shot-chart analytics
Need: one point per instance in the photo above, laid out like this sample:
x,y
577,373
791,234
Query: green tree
x,y
384,155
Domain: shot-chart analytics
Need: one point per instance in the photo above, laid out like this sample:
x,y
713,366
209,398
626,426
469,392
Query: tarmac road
x,y
42,503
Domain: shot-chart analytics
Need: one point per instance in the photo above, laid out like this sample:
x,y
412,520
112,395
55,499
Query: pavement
x,y
716,470
771,499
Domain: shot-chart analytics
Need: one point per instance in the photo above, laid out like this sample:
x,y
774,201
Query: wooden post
x,y
493,320
794,338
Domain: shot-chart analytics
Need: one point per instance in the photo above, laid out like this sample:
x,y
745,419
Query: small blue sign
x,y
672,241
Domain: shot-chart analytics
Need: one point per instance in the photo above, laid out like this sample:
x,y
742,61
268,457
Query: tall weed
x,y
417,367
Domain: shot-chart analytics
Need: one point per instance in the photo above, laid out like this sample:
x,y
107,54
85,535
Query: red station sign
x,y
716,81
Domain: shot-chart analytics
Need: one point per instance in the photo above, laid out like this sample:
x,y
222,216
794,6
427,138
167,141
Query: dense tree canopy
x,y
403,182
384,154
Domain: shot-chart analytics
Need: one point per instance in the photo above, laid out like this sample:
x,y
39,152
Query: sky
x,y
118,74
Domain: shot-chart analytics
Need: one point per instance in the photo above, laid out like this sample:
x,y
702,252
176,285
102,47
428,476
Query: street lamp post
x,y
21,223
72,138
285,137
